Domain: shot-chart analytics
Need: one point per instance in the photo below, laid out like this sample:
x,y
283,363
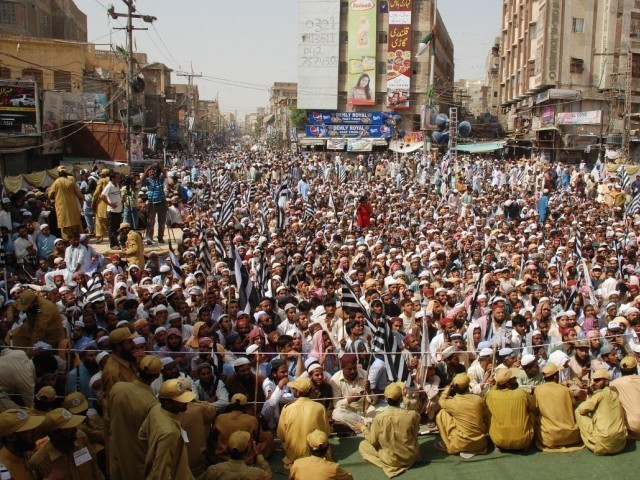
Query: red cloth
x,y
363,216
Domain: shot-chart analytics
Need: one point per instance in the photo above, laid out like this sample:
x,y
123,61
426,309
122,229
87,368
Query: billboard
x,y
592,117
360,145
85,107
51,123
352,118
361,52
18,107
369,131
318,51
399,54
547,115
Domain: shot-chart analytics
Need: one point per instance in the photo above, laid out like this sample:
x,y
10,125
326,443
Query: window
x,y
62,80
577,25
7,13
382,68
419,6
344,37
417,37
635,66
5,73
33,74
416,68
576,65
382,37
531,68
342,67
533,31
634,29
495,94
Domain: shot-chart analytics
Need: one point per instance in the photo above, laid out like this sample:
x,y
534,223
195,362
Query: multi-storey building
x,y
59,19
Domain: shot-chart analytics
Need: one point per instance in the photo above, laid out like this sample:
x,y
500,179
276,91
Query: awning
x,y
545,129
379,142
268,119
312,141
480,147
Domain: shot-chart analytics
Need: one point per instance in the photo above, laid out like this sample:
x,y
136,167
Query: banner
x,y
336,143
351,118
547,115
327,131
413,137
51,123
84,107
591,117
399,54
360,145
136,148
318,52
361,52
18,107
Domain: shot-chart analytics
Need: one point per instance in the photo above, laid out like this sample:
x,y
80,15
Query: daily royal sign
x,y
399,54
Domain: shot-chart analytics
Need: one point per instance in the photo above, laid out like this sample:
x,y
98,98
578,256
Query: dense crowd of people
x,y
253,300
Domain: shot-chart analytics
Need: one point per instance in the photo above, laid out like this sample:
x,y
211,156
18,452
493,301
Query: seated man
x,y
556,426
240,447
460,420
510,412
600,417
391,442
628,389
316,465
350,387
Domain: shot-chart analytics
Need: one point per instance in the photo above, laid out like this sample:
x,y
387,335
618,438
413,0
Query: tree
x,y
298,118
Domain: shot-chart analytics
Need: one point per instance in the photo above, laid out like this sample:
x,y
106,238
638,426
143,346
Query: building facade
x,y
283,96
59,19
569,74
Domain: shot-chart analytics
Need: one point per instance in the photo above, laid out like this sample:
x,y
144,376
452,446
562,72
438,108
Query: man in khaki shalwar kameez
x,y
391,442
66,195
601,419
132,402
460,419
99,205
299,419
510,412
628,389
556,429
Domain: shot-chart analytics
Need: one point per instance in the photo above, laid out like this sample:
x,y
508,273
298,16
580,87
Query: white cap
x,y
486,352
101,355
252,349
241,361
527,359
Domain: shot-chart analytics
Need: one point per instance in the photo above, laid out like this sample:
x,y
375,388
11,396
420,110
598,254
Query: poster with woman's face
x,y
361,52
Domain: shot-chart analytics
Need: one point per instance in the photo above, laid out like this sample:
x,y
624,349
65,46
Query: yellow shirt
x,y
628,390
393,436
467,433
197,422
17,466
556,424
510,418
601,422
48,458
117,369
166,451
297,420
134,249
237,469
132,402
226,424
316,468
66,193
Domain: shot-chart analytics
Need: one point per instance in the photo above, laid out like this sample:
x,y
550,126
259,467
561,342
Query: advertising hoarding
x,y
399,54
352,118
19,107
361,52
592,117
370,131
318,52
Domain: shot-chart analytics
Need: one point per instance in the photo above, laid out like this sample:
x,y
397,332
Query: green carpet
x,y
533,464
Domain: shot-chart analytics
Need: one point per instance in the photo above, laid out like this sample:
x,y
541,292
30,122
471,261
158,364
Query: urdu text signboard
x,y
592,117
318,51
361,52
399,54
19,107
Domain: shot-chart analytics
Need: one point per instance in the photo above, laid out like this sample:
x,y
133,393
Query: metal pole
x,y
131,9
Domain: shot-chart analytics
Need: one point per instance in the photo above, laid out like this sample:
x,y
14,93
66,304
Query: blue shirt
x,y
155,190
45,245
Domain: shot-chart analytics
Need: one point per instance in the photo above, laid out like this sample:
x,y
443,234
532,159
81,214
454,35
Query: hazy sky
x,y
242,46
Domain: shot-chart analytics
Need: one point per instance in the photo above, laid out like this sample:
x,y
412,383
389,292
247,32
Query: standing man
x,y
99,206
299,419
66,195
601,419
113,198
43,322
167,457
132,402
133,247
154,178
120,366
316,466
17,439
67,454
391,442
460,420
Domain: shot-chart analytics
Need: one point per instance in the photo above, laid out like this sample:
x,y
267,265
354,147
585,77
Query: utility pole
x,y
131,8
627,105
190,76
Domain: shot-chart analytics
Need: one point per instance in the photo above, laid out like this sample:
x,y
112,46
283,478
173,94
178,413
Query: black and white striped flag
x,y
263,277
282,218
577,246
343,174
204,255
332,203
521,175
309,212
225,182
633,207
219,244
616,248
246,294
624,177
226,211
94,291
384,345
175,263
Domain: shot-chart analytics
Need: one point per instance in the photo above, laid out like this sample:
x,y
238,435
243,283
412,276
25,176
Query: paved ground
x,y
534,465
175,234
